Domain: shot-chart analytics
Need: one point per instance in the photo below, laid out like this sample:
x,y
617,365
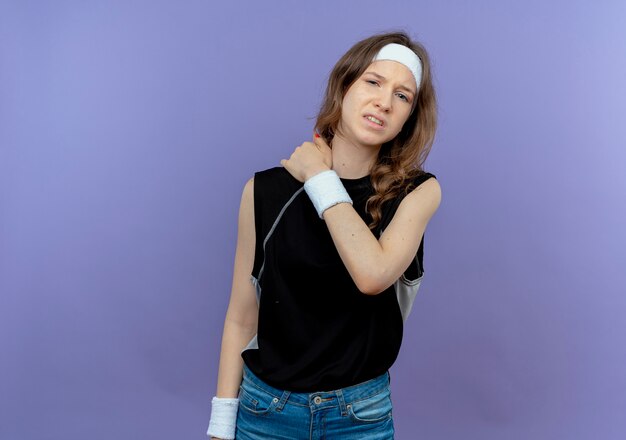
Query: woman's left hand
x,y
309,159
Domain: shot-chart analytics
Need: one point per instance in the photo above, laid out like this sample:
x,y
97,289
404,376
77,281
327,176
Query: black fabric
x,y
316,330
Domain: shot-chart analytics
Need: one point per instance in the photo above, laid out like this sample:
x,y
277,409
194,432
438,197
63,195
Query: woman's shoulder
x,y
422,177
412,183
427,182
276,183
277,174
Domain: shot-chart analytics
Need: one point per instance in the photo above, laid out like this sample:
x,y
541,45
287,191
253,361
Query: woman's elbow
x,y
372,284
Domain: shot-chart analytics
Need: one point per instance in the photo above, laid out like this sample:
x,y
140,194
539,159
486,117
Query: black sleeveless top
x,y
316,330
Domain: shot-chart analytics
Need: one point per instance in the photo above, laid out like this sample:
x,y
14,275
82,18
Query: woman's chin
x,y
367,138
371,141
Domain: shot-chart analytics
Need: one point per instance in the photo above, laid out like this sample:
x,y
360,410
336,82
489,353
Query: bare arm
x,y
240,324
374,264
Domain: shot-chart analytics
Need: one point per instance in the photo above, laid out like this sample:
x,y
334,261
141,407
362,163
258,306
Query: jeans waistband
x,y
349,394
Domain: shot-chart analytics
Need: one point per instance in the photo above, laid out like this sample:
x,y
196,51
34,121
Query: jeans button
x,y
317,400
275,399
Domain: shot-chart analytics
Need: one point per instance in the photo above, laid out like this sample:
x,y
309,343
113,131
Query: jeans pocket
x,y
372,409
255,400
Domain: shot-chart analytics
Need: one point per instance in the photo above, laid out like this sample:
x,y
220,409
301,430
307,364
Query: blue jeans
x,y
361,411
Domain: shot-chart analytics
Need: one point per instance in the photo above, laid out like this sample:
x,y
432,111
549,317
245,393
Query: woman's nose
x,y
383,102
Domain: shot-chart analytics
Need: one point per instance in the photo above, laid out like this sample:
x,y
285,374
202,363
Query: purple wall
x,y
128,130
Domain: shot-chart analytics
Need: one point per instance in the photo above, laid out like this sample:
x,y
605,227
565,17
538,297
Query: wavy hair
x,y
401,159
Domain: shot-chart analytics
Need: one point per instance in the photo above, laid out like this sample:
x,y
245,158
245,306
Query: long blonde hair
x,y
401,159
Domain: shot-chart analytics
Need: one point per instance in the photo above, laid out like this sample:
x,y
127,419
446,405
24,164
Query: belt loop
x,y
342,403
283,400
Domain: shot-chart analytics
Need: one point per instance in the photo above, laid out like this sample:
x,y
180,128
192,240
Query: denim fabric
x,y
362,411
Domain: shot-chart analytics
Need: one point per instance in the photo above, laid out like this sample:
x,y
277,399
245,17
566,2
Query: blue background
x,y
129,128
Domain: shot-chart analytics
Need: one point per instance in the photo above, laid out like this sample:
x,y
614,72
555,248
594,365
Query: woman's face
x,y
386,91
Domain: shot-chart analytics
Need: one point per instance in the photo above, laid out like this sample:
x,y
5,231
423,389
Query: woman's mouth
x,y
374,122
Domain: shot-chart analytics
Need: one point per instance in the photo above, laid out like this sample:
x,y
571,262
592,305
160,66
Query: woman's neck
x,y
351,160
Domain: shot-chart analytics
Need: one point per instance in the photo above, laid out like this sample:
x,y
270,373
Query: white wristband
x,y
326,190
223,418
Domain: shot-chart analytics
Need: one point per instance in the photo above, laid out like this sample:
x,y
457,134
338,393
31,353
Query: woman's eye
x,y
403,96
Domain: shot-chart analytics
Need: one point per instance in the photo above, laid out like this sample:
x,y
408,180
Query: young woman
x,y
330,256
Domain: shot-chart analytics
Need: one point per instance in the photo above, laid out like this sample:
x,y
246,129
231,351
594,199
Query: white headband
x,y
402,54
